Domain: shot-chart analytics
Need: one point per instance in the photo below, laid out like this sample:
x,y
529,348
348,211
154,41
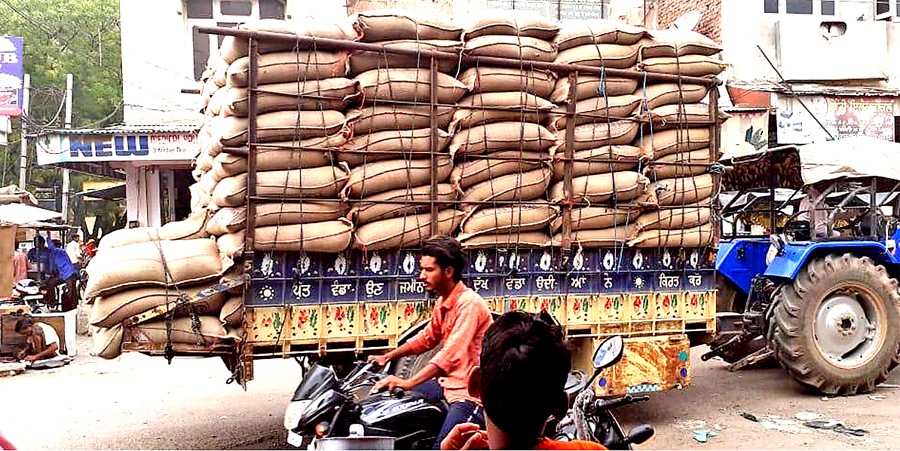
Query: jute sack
x,y
231,191
684,190
233,48
124,237
199,199
327,237
587,86
523,136
511,219
362,61
269,214
391,144
512,47
285,67
688,65
587,218
116,308
469,172
204,162
396,117
227,220
326,94
662,94
597,238
227,165
232,313
408,85
592,136
208,182
597,31
598,161
231,245
311,183
181,331
684,238
622,186
194,226
512,23
682,164
373,178
282,155
680,116
220,69
611,56
400,202
506,240
214,108
511,187
404,232
507,79
393,24
282,125
675,42
597,109
108,341
492,107
140,264
658,145
673,218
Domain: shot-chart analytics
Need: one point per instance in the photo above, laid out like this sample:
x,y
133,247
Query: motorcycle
x,y
32,294
325,407
592,419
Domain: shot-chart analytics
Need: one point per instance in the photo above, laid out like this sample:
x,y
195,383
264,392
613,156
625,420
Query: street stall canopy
x,y
21,214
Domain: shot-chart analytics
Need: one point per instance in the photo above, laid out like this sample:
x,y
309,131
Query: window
x,y
223,13
887,9
817,7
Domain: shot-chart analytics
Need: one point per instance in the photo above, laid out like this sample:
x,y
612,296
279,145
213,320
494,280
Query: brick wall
x,y
444,7
668,11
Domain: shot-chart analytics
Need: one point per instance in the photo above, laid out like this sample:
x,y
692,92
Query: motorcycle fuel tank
x,y
410,412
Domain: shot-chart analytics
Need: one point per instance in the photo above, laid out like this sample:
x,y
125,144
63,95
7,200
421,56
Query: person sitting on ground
x,y
41,340
521,381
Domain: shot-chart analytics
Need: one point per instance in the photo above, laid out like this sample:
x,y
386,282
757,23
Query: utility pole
x,y
65,172
23,158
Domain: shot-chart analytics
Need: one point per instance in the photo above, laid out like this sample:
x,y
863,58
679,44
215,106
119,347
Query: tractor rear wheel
x,y
836,328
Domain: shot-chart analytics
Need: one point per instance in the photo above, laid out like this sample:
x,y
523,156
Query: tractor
x,y
808,263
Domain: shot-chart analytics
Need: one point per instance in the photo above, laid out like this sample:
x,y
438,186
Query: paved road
x,y
139,402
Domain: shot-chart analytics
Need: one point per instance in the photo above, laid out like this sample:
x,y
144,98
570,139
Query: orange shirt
x,y
574,444
460,322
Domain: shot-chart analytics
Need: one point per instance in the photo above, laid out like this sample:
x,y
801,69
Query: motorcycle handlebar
x,y
609,404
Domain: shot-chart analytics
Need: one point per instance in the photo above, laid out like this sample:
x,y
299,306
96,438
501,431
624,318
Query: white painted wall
x,y
142,195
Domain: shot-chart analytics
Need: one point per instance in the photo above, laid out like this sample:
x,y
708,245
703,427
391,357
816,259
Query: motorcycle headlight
x,y
294,412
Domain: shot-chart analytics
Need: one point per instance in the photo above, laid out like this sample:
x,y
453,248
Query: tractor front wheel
x,y
837,326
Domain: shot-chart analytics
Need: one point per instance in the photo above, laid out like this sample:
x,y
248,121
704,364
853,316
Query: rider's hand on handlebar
x,y
381,360
466,436
390,383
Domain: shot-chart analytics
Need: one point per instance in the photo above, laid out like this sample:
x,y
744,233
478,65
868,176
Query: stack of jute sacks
x,y
499,141
389,156
676,138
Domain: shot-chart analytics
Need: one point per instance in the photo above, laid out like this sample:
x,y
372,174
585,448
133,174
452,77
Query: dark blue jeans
x,y
457,413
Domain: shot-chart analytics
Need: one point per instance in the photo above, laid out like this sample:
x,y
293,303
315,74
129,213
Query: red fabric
x,y
460,322
5,444
574,444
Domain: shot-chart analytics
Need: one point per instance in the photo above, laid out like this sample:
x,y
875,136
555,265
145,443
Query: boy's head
x,y
25,326
442,259
523,369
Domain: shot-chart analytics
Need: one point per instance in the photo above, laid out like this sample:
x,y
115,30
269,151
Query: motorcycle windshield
x,y
318,380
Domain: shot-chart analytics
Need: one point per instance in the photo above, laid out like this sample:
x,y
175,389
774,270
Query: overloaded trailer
x,y
575,164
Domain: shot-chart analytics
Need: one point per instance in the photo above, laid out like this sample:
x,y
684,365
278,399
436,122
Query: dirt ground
x,y
139,402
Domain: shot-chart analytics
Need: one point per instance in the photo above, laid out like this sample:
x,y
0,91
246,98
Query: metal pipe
x,y
336,44
569,164
433,143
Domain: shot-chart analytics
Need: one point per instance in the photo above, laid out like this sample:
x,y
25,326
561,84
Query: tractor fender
x,y
795,256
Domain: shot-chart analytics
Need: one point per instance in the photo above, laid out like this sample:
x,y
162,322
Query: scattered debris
x,y
836,426
782,425
703,435
750,417
808,416
11,369
887,386
825,398
690,424
223,417
877,397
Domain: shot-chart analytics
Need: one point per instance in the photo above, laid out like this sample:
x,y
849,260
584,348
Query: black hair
x,y
22,324
56,242
524,365
40,240
448,253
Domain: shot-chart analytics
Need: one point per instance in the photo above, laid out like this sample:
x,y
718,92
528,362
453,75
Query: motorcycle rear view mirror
x,y
609,352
